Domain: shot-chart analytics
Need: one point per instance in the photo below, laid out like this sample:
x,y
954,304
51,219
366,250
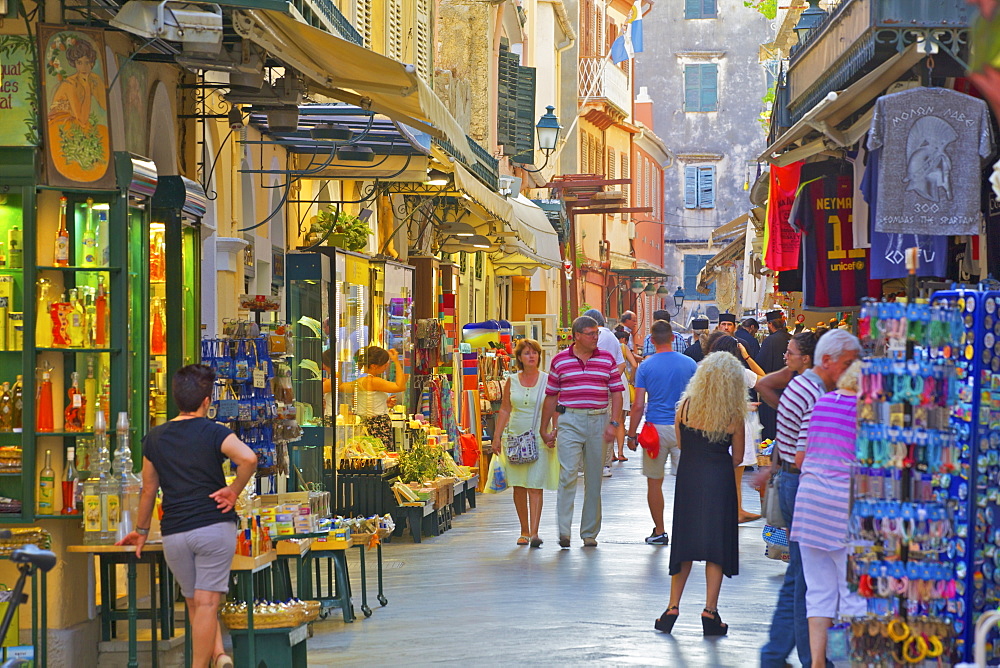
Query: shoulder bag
x,y
771,508
523,448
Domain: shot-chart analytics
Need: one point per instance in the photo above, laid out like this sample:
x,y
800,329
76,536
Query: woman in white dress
x,y
733,346
520,412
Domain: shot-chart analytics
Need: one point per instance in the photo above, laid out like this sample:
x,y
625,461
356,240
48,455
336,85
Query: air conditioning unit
x,y
510,186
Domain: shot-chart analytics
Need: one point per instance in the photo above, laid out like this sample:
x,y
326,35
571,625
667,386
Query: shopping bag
x,y
649,440
497,477
11,639
776,541
771,507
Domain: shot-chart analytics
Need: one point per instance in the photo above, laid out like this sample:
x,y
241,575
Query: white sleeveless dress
x,y
544,472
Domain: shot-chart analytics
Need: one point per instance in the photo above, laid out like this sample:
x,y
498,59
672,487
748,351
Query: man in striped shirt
x,y
584,382
834,352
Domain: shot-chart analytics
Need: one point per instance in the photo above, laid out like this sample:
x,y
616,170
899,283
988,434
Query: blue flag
x,y
629,42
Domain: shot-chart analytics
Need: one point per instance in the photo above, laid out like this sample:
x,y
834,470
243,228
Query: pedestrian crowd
x,y
698,410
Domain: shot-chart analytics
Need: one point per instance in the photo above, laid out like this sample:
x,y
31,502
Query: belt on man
x,y
789,468
588,411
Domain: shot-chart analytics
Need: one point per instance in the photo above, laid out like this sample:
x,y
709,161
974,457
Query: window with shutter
x,y
363,20
612,163
584,149
598,32
625,175
700,9
706,187
692,265
394,29
647,183
423,40
690,187
524,126
701,87
507,73
610,34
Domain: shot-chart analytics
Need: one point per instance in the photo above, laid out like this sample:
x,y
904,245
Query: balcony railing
x,y
323,14
602,80
856,35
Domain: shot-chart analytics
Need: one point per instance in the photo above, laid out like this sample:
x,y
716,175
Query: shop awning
x,y
524,255
835,107
733,252
351,73
732,227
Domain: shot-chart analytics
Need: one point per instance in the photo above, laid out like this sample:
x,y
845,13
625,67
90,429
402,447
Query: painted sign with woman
x,y
75,103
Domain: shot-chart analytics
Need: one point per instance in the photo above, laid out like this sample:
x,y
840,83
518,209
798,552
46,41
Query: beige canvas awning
x,y
351,73
735,225
537,247
733,252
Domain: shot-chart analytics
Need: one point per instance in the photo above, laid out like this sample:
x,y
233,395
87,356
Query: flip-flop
x,y
623,459
523,540
750,517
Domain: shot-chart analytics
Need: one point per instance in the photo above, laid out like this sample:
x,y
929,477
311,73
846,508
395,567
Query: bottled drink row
x,y
81,320
82,407
93,253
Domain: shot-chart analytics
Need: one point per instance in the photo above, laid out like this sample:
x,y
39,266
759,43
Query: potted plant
x,y
340,229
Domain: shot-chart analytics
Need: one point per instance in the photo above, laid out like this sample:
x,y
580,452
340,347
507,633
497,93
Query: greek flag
x,y
629,42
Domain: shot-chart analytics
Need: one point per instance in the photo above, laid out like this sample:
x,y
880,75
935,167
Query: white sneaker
x,y
607,472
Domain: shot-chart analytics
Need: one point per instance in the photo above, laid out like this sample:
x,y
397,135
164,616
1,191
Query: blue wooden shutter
x,y
692,88
709,88
690,187
524,138
706,187
708,10
692,9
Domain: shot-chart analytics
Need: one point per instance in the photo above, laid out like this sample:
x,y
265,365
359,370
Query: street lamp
x,y
636,286
547,130
650,289
811,17
678,301
662,292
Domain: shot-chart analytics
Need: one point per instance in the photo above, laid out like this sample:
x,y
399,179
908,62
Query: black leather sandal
x,y
713,626
665,622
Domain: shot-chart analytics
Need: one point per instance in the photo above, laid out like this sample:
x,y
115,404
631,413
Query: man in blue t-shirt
x,y
662,376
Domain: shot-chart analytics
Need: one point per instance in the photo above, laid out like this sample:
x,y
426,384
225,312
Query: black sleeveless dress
x,y
705,510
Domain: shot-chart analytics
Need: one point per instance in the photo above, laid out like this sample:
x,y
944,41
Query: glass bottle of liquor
x,y
15,251
43,317
70,484
59,312
89,396
43,403
89,315
62,237
74,406
17,405
89,237
75,320
128,481
98,488
101,314
156,266
47,487
158,341
103,252
6,408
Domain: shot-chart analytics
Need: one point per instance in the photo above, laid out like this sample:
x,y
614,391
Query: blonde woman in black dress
x,y
709,421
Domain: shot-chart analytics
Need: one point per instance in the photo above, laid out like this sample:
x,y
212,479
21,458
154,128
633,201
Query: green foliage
x,y
420,463
335,221
768,106
82,145
768,8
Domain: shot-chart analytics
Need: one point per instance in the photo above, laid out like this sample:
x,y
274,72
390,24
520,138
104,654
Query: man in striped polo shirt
x,y
584,383
834,352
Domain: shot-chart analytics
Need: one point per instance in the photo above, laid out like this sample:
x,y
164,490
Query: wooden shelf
x,y
76,269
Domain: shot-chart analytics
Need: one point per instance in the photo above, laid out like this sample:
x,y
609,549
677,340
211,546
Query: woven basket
x,y
310,610
278,620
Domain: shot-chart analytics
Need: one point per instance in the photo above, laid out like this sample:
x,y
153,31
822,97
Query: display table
x,y
289,548
362,541
415,514
247,575
272,647
338,581
110,556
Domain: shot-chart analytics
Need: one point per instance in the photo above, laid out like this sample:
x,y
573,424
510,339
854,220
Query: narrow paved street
x,y
472,596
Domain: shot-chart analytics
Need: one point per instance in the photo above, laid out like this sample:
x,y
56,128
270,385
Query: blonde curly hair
x,y
716,396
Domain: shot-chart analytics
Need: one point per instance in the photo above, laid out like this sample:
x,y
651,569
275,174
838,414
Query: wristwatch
x,y
613,423
142,532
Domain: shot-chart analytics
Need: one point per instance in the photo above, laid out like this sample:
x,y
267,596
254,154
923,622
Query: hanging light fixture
x,y
662,291
811,17
636,286
650,289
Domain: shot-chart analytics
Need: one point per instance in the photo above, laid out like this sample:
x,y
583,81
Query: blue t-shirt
x,y
664,376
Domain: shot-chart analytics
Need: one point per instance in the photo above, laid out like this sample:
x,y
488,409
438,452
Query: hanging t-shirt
x,y
857,159
835,273
781,241
935,140
991,213
888,251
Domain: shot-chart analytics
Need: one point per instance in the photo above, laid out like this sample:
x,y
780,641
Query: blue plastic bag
x,y
497,477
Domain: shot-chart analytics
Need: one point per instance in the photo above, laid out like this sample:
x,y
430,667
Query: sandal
x,y
222,661
665,622
713,626
523,540
536,542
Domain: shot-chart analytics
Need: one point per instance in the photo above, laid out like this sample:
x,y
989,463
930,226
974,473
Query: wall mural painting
x,y
75,102
132,83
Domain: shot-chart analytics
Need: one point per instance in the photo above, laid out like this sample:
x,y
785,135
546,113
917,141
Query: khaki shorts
x,y
654,468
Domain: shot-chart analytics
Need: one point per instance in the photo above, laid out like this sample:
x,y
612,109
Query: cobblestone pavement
x,y
472,597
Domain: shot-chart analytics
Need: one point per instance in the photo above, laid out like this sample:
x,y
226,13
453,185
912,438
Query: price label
x,y
259,378
77,400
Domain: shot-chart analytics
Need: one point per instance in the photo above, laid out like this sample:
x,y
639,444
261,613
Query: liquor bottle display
x,y
61,256
89,238
70,485
43,403
15,251
157,336
43,321
75,410
100,492
47,487
17,405
128,482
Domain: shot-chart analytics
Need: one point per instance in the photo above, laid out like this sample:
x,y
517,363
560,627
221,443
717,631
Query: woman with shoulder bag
x,y
709,422
516,439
